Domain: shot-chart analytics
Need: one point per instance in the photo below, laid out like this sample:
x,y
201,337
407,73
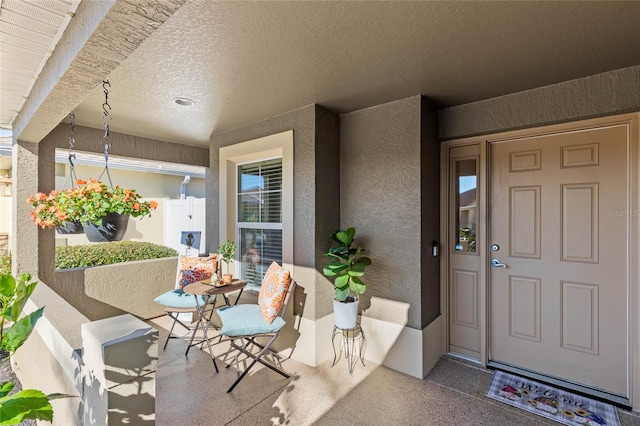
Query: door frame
x,y
633,290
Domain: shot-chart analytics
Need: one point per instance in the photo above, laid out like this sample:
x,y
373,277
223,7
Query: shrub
x,y
5,264
109,253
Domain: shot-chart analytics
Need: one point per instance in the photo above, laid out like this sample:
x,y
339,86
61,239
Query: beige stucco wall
x,y
110,290
55,359
55,348
37,368
132,286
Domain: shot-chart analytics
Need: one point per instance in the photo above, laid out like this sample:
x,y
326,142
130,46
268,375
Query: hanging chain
x,y
72,155
106,117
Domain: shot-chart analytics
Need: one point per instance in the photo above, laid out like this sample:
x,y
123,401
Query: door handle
x,y
497,264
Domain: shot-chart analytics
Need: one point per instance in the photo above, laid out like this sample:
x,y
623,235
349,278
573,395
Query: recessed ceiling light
x,y
184,101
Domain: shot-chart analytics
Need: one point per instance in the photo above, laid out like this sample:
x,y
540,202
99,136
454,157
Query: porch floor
x,y
189,392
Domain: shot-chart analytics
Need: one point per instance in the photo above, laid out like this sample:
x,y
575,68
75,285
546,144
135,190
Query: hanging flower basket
x,y
74,227
112,228
90,203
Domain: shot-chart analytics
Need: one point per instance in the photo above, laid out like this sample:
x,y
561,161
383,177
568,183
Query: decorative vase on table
x,y
113,228
70,228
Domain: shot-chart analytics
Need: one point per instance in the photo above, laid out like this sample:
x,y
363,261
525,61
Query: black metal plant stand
x,y
353,344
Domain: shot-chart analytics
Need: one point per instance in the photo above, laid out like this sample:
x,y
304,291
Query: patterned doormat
x,y
546,401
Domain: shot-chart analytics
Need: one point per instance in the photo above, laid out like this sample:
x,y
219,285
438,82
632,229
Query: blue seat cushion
x,y
246,320
178,299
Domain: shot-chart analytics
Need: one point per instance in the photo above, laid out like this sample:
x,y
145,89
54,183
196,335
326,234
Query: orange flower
x,y
88,202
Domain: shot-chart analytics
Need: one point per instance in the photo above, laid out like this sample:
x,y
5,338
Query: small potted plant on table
x,y
227,251
347,266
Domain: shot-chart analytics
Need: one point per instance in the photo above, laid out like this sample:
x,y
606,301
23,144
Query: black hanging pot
x,y
70,228
113,228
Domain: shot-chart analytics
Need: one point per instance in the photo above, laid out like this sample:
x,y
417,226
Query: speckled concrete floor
x,y
190,392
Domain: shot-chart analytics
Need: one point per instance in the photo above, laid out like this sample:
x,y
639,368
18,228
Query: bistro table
x,y
207,291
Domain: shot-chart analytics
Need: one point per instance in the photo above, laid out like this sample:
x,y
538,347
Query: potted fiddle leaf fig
x,y
227,251
347,266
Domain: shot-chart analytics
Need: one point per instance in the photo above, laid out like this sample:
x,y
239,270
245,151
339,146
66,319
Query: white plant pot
x,y
345,314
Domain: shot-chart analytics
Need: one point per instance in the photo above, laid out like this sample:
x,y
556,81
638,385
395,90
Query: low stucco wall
x,y
132,286
106,291
54,360
50,359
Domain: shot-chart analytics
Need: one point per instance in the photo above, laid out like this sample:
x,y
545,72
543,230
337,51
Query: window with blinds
x,y
259,220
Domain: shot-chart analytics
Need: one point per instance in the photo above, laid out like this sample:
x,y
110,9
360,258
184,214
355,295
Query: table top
x,y
203,288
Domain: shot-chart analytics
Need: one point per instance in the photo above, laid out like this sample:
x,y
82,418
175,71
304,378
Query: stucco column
x,y
24,234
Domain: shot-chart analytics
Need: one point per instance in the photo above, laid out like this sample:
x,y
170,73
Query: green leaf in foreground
x,y
29,403
5,388
19,331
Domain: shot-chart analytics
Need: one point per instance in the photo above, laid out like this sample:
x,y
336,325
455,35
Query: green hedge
x,y
108,253
5,264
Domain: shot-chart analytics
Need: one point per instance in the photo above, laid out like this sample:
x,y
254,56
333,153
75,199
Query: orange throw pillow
x,y
192,269
274,288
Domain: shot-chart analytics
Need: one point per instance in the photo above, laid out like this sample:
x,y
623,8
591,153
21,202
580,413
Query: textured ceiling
x,y
246,61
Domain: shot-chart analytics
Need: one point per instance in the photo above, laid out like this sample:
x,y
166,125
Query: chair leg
x,y
173,324
244,373
174,316
208,319
205,338
256,358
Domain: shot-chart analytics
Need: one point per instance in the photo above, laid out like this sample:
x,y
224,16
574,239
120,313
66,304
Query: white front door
x,y
560,236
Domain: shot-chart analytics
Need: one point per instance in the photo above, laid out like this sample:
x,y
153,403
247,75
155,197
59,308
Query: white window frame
x,y
268,147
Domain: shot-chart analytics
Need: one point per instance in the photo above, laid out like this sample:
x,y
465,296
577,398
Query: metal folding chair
x,y
243,324
178,302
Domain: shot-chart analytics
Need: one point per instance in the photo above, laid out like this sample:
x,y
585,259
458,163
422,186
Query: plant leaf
x,y
341,294
356,270
342,282
52,396
5,388
333,268
346,237
7,285
23,291
364,260
357,286
26,404
19,331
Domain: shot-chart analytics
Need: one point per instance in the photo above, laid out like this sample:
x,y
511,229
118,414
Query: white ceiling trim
x,y
115,162
25,34
150,166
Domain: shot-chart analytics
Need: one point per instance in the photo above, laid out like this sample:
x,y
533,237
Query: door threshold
x,y
597,394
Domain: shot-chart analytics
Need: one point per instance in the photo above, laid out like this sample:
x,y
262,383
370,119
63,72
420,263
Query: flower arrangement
x,y
87,202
